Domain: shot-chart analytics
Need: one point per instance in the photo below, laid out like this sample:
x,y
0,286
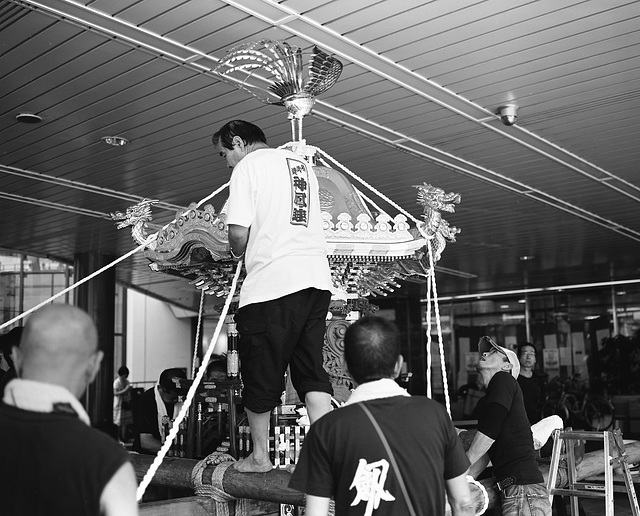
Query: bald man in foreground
x,y
53,462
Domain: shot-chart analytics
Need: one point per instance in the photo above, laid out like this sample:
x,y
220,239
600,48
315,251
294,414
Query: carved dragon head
x,y
433,197
137,214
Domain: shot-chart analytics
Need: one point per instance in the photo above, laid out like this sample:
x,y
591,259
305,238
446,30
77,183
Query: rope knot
x,y
221,461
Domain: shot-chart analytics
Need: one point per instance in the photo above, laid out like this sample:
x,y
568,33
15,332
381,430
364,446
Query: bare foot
x,y
251,465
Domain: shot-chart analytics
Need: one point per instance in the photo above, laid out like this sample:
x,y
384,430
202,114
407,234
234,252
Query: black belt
x,y
505,482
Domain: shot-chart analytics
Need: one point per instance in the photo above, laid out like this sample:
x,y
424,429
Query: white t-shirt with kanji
x,y
274,192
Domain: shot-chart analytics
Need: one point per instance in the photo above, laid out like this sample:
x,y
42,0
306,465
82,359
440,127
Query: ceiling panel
x,y
416,102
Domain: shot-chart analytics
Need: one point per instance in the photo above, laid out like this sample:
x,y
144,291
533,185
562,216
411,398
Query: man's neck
x,y
256,146
485,377
527,373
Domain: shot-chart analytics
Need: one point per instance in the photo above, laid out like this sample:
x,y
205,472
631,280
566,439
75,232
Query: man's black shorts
x,y
288,331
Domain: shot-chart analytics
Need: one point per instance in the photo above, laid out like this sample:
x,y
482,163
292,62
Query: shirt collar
x,y
384,388
43,397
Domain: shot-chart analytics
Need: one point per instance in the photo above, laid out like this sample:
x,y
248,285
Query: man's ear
x,y
343,363
16,358
236,140
94,365
398,367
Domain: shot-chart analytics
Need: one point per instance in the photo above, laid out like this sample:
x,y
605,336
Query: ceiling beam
x,y
280,15
328,39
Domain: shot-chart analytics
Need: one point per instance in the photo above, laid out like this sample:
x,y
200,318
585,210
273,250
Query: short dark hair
x,y
122,370
250,133
166,378
217,363
526,345
371,349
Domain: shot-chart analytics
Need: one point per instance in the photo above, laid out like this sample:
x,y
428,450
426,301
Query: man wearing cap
x,y
154,410
504,435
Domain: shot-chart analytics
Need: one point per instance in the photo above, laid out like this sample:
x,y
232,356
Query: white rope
x,y
150,239
436,311
210,196
428,332
190,394
146,243
374,190
195,344
370,201
433,281
362,196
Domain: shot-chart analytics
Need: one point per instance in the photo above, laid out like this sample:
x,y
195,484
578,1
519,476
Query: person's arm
x,y
118,497
477,453
459,496
317,506
150,443
490,423
238,238
122,391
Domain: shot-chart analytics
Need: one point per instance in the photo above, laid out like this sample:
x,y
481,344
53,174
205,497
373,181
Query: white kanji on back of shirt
x,y
369,484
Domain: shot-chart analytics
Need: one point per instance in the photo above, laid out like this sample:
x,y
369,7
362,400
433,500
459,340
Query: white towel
x,y
162,411
543,429
377,389
42,397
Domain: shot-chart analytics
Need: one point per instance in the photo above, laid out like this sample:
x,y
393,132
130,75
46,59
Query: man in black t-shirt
x,y
149,410
53,461
530,382
504,435
345,458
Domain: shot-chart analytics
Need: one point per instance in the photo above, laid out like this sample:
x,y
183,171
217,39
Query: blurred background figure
x,y
217,369
530,382
122,402
9,342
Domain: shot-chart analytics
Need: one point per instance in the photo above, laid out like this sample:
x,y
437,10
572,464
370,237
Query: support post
x,y
97,298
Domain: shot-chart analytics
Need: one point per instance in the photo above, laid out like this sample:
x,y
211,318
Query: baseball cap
x,y
486,343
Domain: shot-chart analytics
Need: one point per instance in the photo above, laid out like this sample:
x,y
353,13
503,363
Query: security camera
x,y
508,114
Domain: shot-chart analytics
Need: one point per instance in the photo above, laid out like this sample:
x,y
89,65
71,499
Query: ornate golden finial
x,y
282,64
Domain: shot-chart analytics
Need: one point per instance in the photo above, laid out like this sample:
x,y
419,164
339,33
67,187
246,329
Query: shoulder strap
x,y
392,458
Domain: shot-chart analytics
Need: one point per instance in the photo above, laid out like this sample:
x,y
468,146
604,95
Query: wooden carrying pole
x,y
273,486
176,473
270,487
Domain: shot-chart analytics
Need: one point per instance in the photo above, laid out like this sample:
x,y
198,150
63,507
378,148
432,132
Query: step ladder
x,y
614,457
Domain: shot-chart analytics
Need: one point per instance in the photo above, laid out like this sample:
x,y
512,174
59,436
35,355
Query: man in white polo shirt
x,y
274,221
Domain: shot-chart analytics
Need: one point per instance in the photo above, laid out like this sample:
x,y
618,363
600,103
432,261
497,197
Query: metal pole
x,y
97,297
527,318
614,311
21,290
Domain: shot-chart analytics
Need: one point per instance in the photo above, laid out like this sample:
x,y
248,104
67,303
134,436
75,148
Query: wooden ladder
x,y
613,450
